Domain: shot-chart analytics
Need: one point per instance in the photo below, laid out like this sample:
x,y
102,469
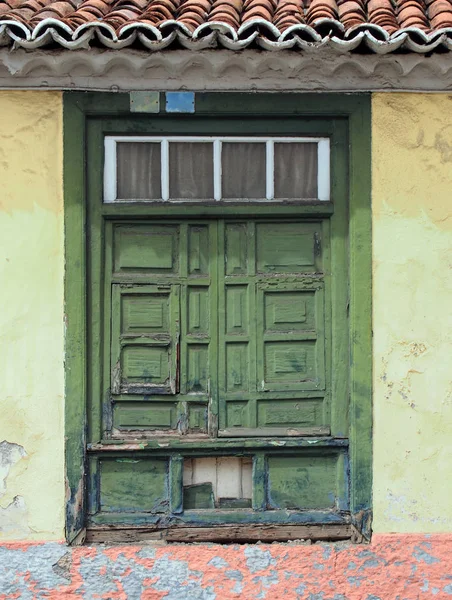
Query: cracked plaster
x,y
393,567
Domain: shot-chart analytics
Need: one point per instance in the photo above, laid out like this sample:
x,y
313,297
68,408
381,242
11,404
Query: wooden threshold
x,y
220,533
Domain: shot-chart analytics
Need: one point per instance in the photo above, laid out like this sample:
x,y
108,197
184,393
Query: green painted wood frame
x,y
352,109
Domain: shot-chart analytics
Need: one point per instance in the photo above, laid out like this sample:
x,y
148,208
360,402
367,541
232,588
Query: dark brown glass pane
x,y
243,170
295,170
138,171
191,170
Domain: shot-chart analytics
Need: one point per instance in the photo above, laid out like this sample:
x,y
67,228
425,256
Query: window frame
x,y
110,195
354,111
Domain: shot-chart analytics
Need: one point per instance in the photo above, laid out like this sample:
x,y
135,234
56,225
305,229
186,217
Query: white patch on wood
x,y
229,477
188,471
247,478
205,471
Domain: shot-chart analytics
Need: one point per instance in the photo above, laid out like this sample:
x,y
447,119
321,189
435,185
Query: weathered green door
x,y
218,328
272,328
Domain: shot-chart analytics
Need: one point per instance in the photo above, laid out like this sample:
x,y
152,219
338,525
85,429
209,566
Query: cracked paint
x,y
31,319
225,572
13,513
412,321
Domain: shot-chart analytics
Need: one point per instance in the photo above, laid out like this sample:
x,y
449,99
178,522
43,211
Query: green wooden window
x,y
223,338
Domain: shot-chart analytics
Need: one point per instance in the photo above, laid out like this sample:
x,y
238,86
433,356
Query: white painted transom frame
x,y
111,165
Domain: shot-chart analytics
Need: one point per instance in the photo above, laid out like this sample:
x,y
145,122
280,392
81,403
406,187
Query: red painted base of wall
x,y
392,567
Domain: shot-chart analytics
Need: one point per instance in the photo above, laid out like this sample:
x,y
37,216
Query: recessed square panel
x,y
290,413
145,313
197,418
145,364
236,249
237,367
197,368
237,319
237,414
303,482
198,250
146,249
289,311
134,485
287,247
145,415
198,312
289,361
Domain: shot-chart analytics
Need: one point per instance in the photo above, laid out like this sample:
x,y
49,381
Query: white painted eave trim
x,y
220,70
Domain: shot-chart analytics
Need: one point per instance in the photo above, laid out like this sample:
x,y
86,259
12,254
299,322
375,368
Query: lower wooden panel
x,y
133,485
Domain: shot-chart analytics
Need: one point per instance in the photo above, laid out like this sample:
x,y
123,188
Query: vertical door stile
x,y
213,397
218,301
253,323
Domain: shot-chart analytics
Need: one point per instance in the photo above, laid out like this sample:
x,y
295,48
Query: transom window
x,y
203,169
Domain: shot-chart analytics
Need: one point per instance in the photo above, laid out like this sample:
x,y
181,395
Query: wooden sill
x,y
221,533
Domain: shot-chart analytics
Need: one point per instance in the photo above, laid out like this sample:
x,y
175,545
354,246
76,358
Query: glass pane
x,y
296,170
138,171
243,170
190,170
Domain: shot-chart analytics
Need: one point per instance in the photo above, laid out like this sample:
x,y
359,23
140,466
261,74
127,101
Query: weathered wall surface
x,y
392,568
412,323
31,316
412,316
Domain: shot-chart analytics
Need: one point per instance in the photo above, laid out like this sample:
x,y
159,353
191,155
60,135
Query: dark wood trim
x,y
221,533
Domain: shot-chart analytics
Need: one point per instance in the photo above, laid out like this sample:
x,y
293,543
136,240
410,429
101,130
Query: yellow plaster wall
x,y
412,311
31,316
412,314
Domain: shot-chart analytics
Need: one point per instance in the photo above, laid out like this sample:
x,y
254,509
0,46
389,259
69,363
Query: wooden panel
x,y
290,336
146,249
144,313
197,418
134,485
149,415
197,368
237,312
198,250
302,482
145,333
288,311
222,533
198,313
237,414
290,413
236,253
145,364
237,367
287,247
290,362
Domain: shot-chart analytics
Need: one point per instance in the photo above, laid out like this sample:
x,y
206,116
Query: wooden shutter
x,y
272,329
145,338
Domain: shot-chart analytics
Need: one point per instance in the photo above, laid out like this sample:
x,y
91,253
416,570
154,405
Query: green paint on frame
x,y
347,119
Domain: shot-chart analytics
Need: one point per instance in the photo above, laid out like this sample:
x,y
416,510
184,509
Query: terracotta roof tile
x,y
381,25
